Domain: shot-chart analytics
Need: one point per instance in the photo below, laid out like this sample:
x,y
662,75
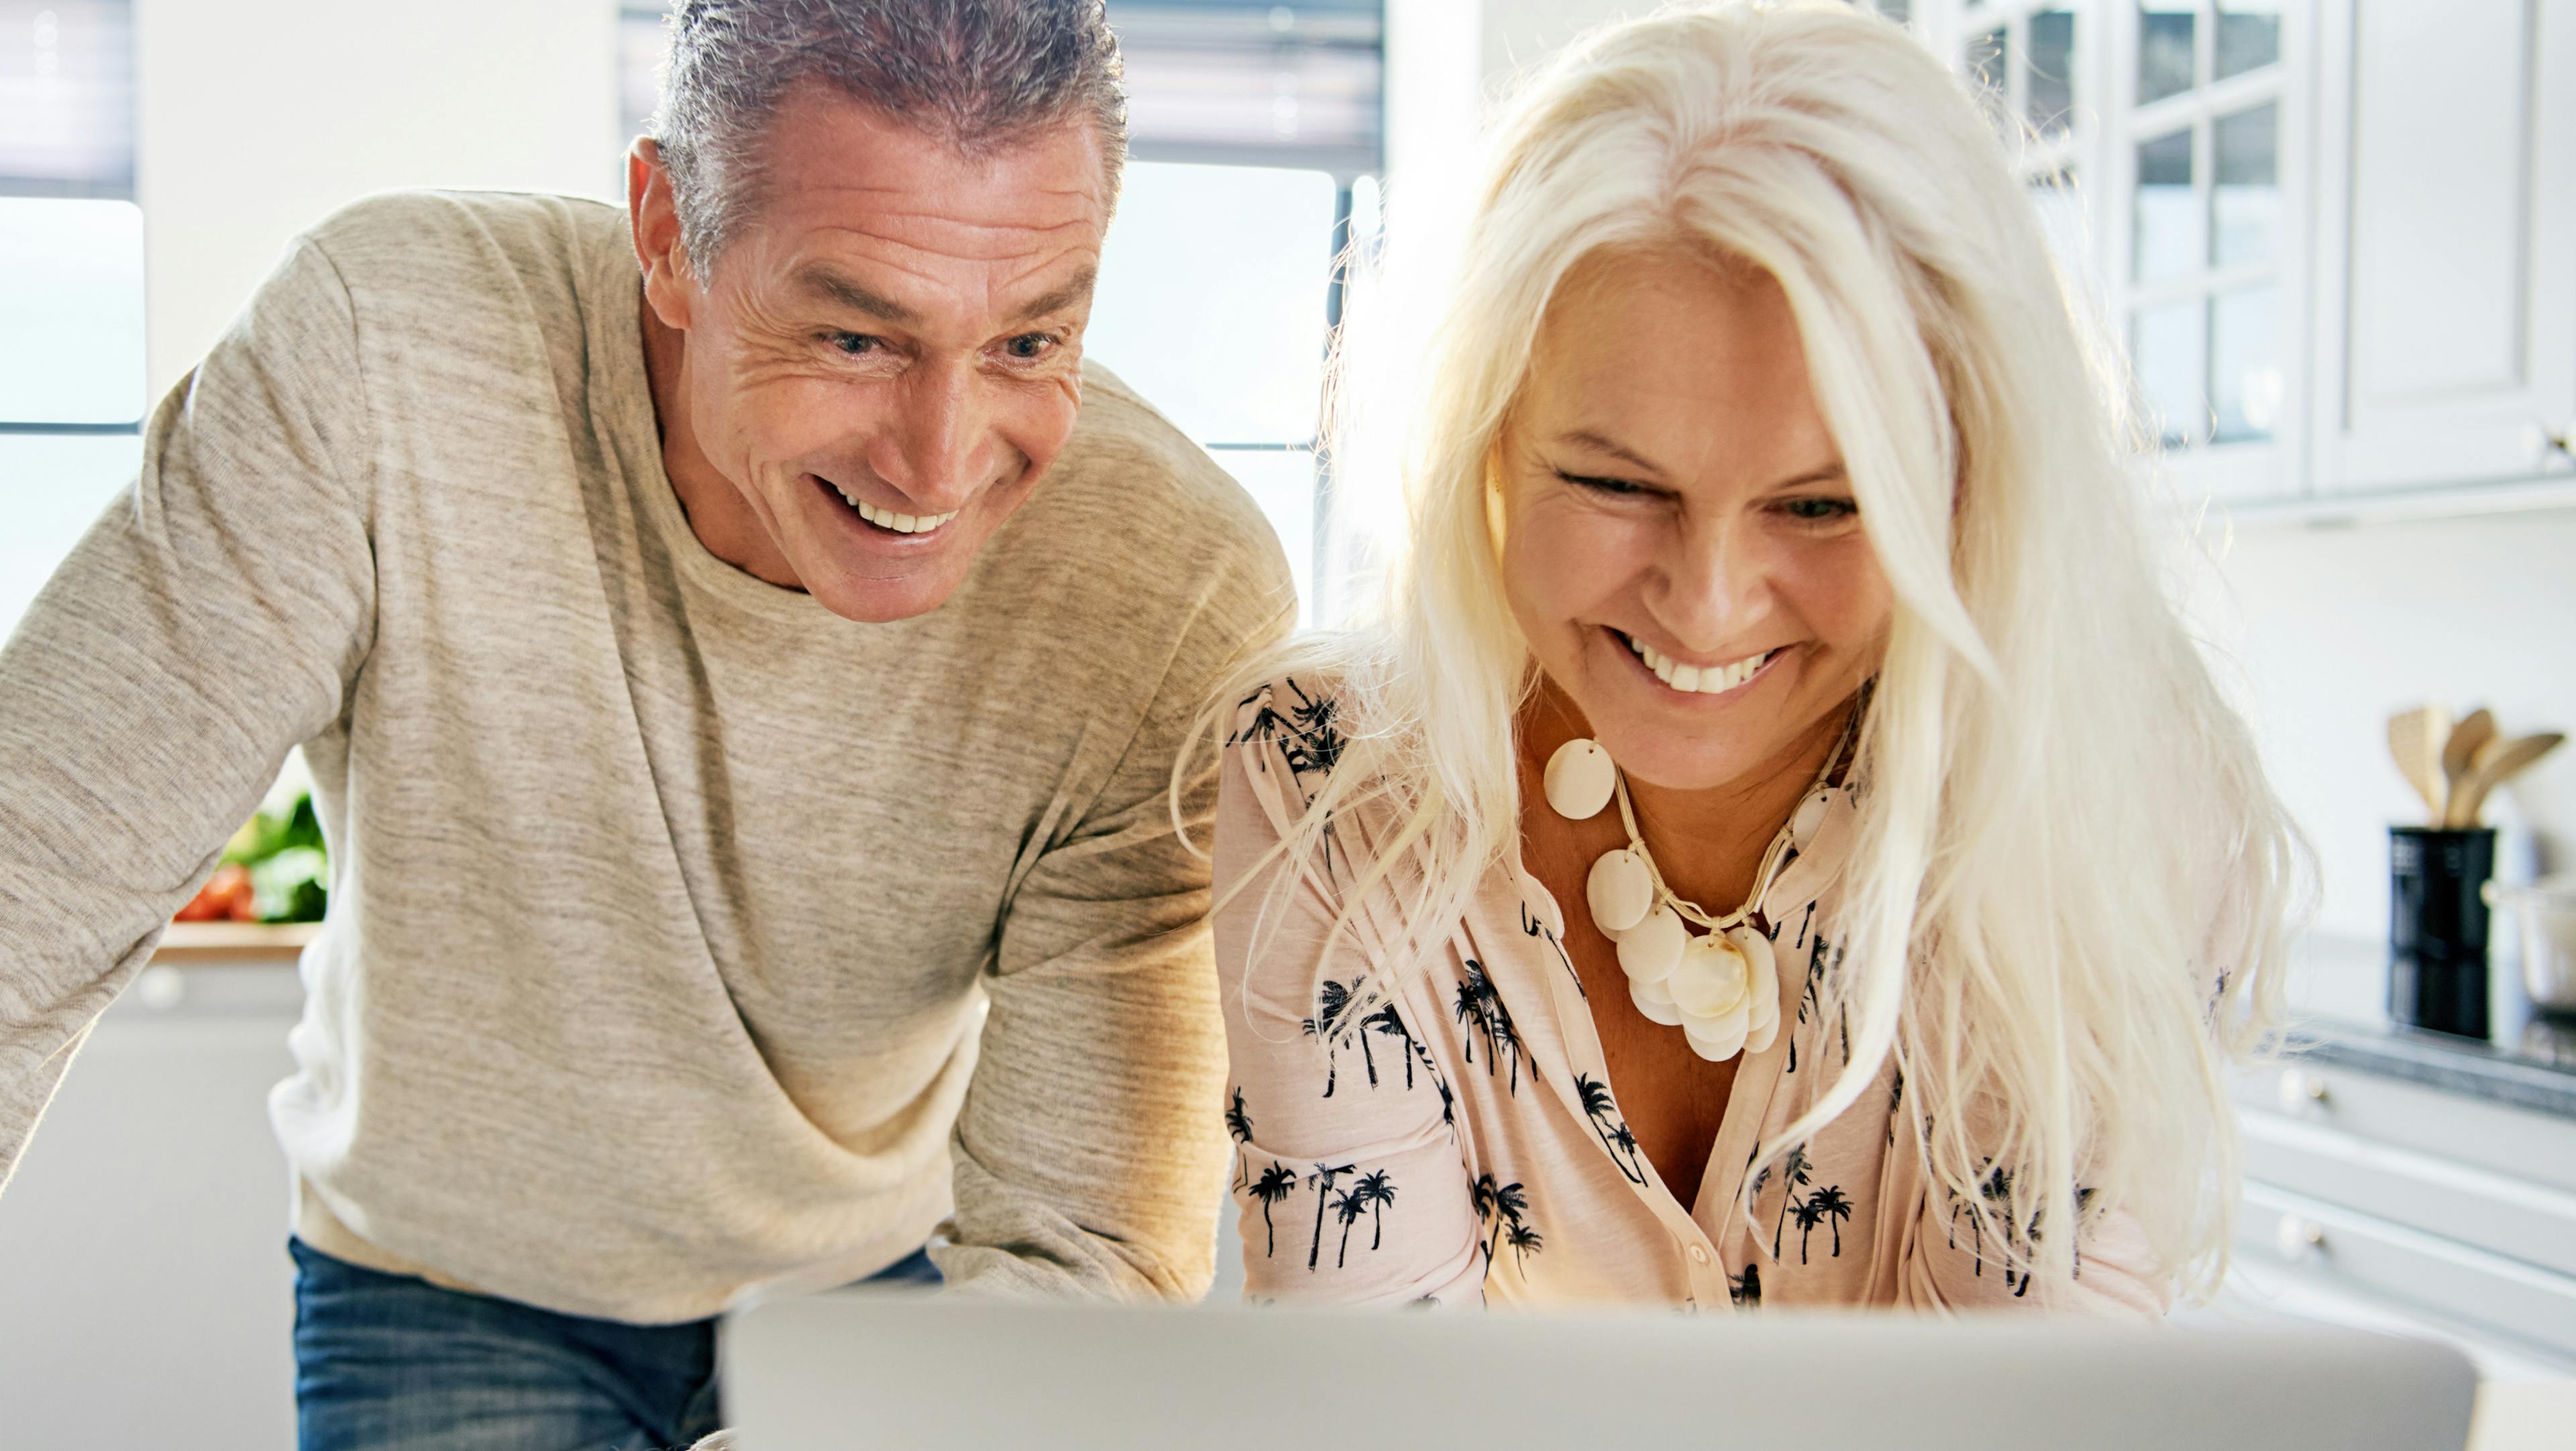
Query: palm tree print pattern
x,y
1275,1184
1609,1127
1386,1022
1794,1175
1381,1161
1370,1197
1334,1004
1322,1179
1506,1208
1238,1127
1826,1205
1481,1012
1308,733
1822,958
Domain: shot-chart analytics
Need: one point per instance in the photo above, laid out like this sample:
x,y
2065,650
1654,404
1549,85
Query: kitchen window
x,y
1256,144
2163,143
71,247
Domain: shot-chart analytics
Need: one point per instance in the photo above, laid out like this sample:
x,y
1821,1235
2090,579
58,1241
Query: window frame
x,y
119,188
2101,144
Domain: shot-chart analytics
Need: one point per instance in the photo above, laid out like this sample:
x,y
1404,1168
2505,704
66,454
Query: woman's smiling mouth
x,y
1697,679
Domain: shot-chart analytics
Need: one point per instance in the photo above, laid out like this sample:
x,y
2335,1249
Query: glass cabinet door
x,y
2205,235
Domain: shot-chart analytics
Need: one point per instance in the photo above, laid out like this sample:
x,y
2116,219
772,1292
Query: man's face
x,y
887,355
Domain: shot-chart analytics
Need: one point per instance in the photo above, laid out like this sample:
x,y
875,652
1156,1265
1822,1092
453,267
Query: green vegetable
x,y
290,876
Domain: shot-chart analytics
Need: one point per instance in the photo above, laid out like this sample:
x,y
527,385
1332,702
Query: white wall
x,y
1519,33
2332,630
259,117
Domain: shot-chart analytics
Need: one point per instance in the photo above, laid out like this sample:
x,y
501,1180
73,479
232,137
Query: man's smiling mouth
x,y
888,519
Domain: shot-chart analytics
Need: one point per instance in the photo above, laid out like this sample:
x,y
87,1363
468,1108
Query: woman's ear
x,y
670,284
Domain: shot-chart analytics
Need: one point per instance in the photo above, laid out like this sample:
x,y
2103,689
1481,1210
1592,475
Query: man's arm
x,y
1089,1155
213,617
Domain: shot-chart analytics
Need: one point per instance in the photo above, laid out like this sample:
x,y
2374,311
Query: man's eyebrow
x,y
1586,438
1062,298
816,278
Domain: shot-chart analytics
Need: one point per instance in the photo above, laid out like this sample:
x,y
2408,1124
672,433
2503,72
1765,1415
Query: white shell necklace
x,y
1722,990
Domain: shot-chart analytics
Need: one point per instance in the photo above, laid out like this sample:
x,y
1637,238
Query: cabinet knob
x,y
2544,442
2301,1091
2299,1239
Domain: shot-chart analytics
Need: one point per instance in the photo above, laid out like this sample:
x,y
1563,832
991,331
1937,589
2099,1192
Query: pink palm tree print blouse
x,y
1459,1142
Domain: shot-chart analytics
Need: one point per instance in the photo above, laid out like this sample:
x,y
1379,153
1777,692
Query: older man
x,y
723,679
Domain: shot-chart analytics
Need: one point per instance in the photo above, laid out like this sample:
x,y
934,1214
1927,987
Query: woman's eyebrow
x,y
1831,473
1586,438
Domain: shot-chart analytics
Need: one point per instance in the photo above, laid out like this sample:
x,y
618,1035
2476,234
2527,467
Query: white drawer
x,y
2507,1214
2409,1266
2518,1143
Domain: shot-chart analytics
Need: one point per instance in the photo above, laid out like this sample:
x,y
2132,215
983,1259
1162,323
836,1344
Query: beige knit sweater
x,y
666,906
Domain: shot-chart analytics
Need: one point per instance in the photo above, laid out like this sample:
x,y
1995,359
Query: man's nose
x,y
940,448
1713,588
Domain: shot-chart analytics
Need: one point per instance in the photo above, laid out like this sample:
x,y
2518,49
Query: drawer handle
x,y
2299,1239
2301,1091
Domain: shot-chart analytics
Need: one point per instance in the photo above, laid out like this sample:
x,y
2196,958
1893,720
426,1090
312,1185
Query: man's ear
x,y
670,286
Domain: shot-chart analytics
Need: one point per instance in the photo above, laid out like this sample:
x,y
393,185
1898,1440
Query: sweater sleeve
x,y
216,614
1088,1155
1349,1183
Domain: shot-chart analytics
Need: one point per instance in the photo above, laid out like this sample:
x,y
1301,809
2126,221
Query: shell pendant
x,y
1721,989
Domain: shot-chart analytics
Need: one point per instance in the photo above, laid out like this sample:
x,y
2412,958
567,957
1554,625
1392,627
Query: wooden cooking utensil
x,y
2415,739
2474,733
2500,766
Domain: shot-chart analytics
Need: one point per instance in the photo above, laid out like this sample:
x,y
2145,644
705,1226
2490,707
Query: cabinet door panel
x,y
2441,189
2448,177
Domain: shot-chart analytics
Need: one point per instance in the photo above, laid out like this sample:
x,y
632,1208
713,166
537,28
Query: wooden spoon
x,y
2500,766
2474,733
2416,738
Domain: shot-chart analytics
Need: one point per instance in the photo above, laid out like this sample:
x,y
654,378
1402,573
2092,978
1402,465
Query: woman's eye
x,y
1820,511
1617,488
857,345
1029,346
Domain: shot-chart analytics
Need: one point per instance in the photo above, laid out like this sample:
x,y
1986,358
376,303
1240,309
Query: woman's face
x,y
1678,540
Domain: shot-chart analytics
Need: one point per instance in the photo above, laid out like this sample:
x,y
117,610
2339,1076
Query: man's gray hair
x,y
977,74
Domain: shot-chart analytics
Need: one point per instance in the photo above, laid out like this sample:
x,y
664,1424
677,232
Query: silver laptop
x,y
890,1372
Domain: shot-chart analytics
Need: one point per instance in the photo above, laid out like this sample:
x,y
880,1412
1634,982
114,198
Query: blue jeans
x,y
391,1363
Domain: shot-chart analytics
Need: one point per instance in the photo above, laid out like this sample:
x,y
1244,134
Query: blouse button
x,y
1698,1255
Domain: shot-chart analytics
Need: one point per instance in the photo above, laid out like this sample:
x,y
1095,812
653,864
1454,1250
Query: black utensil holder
x,y
2437,928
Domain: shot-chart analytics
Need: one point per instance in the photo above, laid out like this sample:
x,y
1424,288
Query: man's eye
x,y
857,345
1029,346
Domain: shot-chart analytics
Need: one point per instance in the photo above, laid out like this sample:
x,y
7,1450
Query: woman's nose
x,y
1713,588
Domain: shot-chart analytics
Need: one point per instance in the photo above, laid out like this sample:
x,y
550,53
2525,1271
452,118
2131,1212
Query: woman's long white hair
x,y
2066,908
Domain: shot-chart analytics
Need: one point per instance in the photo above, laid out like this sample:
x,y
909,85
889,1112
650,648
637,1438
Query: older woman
x,y
1779,845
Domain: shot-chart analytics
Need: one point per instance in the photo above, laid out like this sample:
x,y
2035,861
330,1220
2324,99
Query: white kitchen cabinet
x,y
2169,144
2446,256
146,1299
